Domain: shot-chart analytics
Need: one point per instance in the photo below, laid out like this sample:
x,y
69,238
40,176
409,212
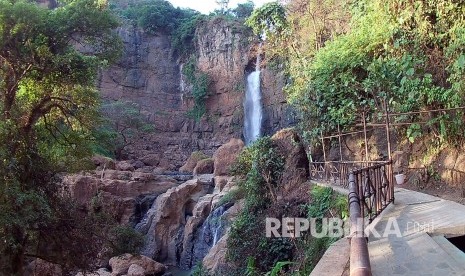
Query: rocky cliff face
x,y
150,76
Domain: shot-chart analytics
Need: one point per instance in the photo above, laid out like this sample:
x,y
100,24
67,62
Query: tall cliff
x,y
149,75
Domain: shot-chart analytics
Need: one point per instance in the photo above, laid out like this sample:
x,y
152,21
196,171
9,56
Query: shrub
x,y
126,240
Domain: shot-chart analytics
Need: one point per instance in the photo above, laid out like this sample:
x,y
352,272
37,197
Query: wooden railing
x,y
336,172
371,189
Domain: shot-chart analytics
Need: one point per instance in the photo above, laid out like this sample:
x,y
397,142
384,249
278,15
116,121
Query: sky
x,y
207,6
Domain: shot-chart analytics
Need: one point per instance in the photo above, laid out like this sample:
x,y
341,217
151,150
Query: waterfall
x,y
253,105
217,232
182,82
206,236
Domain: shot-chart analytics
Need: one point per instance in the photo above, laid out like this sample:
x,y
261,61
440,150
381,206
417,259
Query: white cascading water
x,y
253,105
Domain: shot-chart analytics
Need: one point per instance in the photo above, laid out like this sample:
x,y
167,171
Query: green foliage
x,y
183,37
408,53
231,197
268,21
251,270
48,106
325,199
258,170
126,240
198,155
278,268
156,16
322,200
324,203
199,270
243,10
260,166
200,82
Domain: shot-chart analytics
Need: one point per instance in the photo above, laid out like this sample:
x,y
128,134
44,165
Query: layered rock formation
x,y
121,192
185,222
150,76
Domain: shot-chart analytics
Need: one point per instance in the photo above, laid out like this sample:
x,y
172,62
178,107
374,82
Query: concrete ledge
x,y
334,261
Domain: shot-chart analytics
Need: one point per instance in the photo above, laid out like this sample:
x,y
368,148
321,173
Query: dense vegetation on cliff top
x,y
343,57
159,16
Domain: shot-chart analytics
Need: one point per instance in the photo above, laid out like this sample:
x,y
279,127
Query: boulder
x,y
158,171
142,176
138,164
151,159
43,268
103,162
81,187
191,162
204,166
226,155
120,265
124,166
221,182
114,174
167,218
114,191
136,270
216,257
133,189
296,165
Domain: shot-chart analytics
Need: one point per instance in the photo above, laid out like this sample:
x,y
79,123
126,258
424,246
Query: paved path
x,y
423,220
422,249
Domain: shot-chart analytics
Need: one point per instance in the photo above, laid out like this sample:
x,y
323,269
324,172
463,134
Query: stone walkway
x,y
422,249
423,221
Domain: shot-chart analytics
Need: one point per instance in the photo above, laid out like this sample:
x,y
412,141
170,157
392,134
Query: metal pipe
x,y
359,257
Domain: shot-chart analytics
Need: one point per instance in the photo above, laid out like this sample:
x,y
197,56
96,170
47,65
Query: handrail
x,y
371,189
359,257
337,171
375,188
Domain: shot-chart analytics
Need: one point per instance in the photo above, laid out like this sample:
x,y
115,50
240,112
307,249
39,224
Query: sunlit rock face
x,y
149,75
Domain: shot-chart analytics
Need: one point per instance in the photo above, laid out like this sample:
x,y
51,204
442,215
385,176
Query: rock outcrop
x,y
208,223
205,166
296,166
120,192
192,161
216,257
43,268
140,265
149,77
226,155
166,219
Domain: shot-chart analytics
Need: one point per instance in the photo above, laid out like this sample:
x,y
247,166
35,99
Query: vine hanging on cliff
x,y
200,82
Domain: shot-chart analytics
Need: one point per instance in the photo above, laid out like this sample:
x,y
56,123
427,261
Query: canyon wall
x,y
149,75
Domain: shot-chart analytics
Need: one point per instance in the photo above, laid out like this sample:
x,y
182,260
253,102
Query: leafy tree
x,y
410,58
244,10
48,65
269,21
223,5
